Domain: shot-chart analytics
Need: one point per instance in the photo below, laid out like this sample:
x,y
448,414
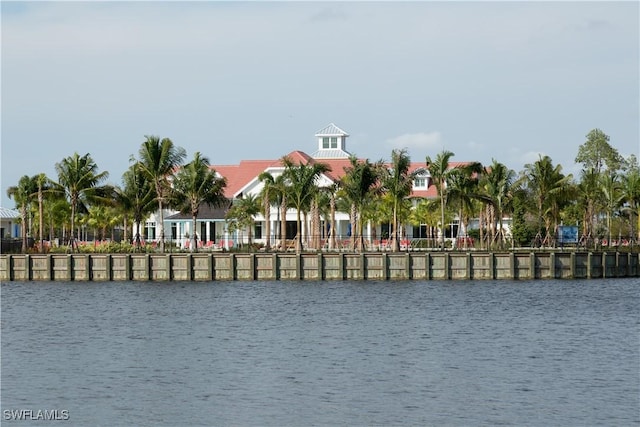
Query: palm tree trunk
x,y
298,226
332,230
283,224
194,238
23,214
353,221
442,225
41,219
267,220
160,225
394,241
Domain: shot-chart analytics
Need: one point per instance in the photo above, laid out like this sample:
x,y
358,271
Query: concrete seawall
x,y
321,266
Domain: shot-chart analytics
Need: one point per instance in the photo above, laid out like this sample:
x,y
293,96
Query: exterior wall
x,y
11,227
320,266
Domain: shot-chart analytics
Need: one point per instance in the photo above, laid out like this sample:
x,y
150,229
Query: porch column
x,y
208,231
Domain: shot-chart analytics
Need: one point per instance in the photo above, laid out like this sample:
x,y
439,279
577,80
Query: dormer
x,y
332,143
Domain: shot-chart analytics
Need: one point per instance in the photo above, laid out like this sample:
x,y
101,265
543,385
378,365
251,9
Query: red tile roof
x,y
238,176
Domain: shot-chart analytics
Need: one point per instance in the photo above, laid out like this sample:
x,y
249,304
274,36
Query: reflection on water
x,y
324,353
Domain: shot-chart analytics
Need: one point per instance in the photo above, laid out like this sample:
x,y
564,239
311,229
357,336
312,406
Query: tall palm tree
x,y
80,180
45,186
631,193
22,194
137,198
589,198
241,214
439,170
462,186
194,185
358,185
332,191
302,180
159,159
613,196
496,191
545,183
268,196
398,183
274,192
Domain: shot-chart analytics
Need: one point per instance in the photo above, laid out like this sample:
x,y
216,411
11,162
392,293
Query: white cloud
x,y
422,141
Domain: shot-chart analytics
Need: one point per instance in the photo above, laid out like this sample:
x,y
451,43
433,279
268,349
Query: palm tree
x,y
194,185
546,184
302,180
45,186
332,191
397,184
242,212
462,186
588,198
268,195
79,179
496,191
159,159
22,194
274,192
631,193
137,198
612,196
358,185
439,170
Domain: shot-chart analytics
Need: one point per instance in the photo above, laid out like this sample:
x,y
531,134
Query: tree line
x,y
604,200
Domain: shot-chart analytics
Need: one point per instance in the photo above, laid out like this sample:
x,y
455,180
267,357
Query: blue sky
x,y
235,80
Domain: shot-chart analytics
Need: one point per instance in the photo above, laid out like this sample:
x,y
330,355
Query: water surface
x,y
453,353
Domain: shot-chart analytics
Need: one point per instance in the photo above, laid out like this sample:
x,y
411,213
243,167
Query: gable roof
x,y
238,176
331,130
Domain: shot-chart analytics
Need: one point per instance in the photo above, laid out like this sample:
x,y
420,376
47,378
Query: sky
x,y
508,81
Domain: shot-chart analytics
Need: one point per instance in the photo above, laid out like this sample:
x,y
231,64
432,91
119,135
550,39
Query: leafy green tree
x,y
598,154
23,195
80,180
397,184
196,184
302,182
522,232
159,159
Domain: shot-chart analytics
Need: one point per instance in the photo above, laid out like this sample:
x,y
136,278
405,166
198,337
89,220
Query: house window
x,y
330,142
420,182
150,230
258,230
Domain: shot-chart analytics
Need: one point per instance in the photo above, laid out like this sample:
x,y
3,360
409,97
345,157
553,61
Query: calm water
x,y
535,353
